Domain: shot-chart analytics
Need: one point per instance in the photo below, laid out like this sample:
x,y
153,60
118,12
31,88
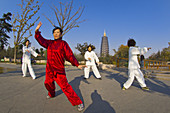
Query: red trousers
x,y
67,89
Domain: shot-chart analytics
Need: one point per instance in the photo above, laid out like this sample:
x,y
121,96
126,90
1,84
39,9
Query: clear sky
x,y
147,21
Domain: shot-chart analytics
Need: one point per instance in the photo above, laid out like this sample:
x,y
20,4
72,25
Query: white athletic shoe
x,y
80,107
34,78
24,76
48,97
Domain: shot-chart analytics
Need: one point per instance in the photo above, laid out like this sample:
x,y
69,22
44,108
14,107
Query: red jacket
x,y
57,52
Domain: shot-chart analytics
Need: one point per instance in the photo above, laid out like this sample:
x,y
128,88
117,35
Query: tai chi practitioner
x,y
90,58
133,65
26,59
57,52
142,58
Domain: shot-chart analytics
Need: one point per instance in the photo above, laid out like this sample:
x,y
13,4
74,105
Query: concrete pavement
x,y
24,95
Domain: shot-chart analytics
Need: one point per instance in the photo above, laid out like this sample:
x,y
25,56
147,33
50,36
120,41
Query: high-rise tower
x,y
104,46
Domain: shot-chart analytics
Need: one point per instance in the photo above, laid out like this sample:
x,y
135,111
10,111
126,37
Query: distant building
x,y
104,46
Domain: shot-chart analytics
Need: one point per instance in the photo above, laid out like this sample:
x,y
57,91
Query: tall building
x,y
104,46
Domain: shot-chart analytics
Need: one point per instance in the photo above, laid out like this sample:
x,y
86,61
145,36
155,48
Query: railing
x,y
147,63
155,63
118,61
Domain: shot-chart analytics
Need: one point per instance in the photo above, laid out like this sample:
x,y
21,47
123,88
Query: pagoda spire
x,y
104,33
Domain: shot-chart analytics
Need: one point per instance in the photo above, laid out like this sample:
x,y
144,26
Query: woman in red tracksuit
x,y
57,51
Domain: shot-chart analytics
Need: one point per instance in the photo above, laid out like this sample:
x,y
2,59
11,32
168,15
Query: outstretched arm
x,y
149,48
82,66
42,41
144,50
96,58
139,51
69,56
34,53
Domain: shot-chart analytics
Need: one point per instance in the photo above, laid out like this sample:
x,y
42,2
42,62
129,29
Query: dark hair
x,y
142,57
131,42
26,41
59,29
92,47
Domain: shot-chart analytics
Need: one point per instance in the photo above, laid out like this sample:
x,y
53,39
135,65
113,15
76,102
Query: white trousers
x,y
24,69
132,74
94,69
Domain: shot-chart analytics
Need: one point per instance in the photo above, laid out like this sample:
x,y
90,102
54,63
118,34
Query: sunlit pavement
x,y
24,95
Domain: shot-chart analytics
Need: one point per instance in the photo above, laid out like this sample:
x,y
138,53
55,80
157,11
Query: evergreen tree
x,y
5,28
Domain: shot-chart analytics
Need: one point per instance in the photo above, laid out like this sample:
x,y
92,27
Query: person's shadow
x,y
76,86
99,105
120,78
153,84
158,86
116,76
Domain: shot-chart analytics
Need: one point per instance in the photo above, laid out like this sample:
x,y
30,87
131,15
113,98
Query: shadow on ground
x,y
158,86
153,84
99,105
18,72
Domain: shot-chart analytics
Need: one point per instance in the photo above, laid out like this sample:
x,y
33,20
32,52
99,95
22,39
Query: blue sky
x,y
147,21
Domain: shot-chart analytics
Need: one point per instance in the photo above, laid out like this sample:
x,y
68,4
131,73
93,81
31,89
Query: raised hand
x,y
82,66
38,26
149,48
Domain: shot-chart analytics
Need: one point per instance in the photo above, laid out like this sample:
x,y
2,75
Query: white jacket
x,y
133,60
27,55
93,57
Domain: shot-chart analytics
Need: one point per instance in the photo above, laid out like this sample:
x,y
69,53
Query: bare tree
x,y
65,18
21,22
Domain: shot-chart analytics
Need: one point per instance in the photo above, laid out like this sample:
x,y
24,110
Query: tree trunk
x,y
15,54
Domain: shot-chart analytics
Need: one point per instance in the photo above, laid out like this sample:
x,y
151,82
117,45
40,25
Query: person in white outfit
x,y
133,65
26,59
90,58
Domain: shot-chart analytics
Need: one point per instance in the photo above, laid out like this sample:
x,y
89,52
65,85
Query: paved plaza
x,y
24,95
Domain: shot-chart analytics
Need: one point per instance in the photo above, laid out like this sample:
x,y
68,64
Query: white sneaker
x,y
80,107
48,97
24,76
34,78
